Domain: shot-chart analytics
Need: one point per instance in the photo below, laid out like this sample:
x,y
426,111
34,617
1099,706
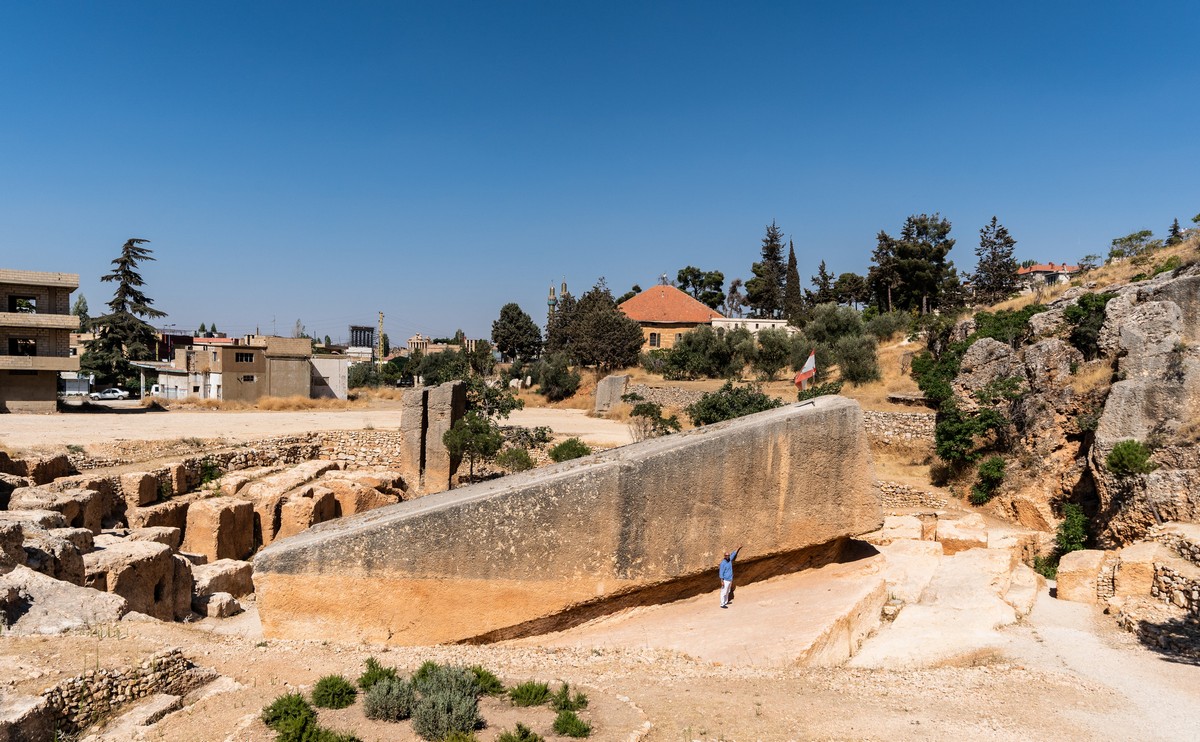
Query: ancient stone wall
x,y
1172,586
75,703
514,556
899,495
356,449
899,427
666,396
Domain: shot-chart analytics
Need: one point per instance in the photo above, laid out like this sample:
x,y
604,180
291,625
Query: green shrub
x,y
1128,458
774,348
529,693
489,684
1170,264
729,402
432,678
1072,532
1086,317
438,714
374,673
570,725
857,359
991,474
1046,566
830,322
819,390
515,459
333,692
389,699
520,733
557,380
1008,326
571,448
210,471
562,700
285,708
884,326
460,737
646,418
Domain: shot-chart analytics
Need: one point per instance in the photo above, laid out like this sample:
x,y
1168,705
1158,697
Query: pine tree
x,y
823,282
202,329
601,334
1174,234
996,273
764,292
913,272
80,310
851,289
793,299
122,336
515,335
883,278
707,287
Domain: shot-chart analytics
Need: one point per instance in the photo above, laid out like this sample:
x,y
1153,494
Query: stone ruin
x,y
172,542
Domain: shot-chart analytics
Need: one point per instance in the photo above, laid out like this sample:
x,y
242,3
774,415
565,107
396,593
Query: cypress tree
x,y
793,299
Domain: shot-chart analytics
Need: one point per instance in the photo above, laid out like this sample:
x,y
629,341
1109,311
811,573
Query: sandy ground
x,y
130,421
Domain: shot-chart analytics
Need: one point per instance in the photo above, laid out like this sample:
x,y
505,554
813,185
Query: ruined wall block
x,y
499,555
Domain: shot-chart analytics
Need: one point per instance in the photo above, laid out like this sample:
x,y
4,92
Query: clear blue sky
x,y
436,160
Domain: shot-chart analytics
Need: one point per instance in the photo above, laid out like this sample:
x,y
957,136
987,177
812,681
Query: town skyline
x,y
437,163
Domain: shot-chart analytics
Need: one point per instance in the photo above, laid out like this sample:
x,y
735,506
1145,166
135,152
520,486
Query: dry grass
x,y
1092,376
265,404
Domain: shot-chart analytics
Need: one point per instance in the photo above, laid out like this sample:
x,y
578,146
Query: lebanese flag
x,y
809,370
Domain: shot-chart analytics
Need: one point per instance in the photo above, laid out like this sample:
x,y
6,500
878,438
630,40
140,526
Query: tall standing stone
x,y
446,404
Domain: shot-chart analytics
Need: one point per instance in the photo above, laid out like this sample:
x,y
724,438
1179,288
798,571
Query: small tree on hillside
x,y
774,349
823,283
122,334
1174,234
851,289
707,287
515,334
474,437
996,274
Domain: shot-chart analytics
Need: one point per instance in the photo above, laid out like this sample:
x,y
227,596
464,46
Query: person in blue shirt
x,y
726,573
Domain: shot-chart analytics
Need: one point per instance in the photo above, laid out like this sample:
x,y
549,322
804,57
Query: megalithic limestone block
x,y
412,429
505,556
446,404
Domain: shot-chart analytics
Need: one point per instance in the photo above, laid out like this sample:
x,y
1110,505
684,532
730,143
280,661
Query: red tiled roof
x,y
667,304
1048,268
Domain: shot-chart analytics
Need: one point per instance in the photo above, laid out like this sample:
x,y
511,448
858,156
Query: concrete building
x,y
665,314
753,325
330,375
35,327
239,369
1039,276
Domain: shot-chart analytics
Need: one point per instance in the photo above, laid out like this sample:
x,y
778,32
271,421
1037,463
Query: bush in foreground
x,y
294,720
571,448
374,673
520,733
389,699
1128,458
991,474
570,725
515,460
333,692
443,712
489,684
729,402
562,700
529,693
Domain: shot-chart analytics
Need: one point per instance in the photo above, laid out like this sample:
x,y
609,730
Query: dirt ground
x,y
1066,674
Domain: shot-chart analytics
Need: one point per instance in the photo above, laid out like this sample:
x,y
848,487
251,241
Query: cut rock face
x,y
145,574
33,603
224,576
80,508
220,528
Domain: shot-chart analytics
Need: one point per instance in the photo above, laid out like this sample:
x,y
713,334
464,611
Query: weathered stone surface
x,y
11,538
964,533
1135,576
1184,292
46,469
139,488
224,576
37,518
897,527
81,508
413,423
986,361
512,556
170,514
356,497
1077,574
216,605
269,493
38,604
220,528
158,534
306,508
8,483
179,478
232,482
81,538
609,391
144,574
446,404
53,556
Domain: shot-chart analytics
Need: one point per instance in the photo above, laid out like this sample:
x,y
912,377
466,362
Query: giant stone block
x,y
517,555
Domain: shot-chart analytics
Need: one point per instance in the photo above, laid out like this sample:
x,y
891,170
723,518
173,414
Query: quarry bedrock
x,y
471,561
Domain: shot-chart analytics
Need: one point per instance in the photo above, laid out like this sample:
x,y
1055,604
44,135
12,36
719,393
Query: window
x,y
244,357
248,378
22,304
22,347
195,390
214,356
655,340
677,336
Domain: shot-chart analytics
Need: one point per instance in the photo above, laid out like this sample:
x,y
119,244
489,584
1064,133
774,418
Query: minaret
x,y
551,303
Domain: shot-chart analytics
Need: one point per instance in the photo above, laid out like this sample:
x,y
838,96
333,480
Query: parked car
x,y
110,394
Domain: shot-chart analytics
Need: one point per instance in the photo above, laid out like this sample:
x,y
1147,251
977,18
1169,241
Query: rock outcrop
x,y
537,550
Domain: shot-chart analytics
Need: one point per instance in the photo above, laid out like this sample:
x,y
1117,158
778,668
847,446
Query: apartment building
x,y
35,328
239,369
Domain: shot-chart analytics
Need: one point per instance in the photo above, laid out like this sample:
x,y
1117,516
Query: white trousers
x,y
726,586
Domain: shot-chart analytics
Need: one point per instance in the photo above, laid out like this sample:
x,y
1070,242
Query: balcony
x,y
39,363
33,321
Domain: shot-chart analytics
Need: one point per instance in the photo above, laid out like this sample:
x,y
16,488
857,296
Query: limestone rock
x,y
897,527
354,497
962,534
8,483
81,508
304,509
36,518
1116,314
609,391
216,605
446,404
159,534
1135,575
43,605
53,556
81,538
146,575
986,361
139,488
224,576
1046,323
413,429
11,538
220,528
170,514
1077,575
